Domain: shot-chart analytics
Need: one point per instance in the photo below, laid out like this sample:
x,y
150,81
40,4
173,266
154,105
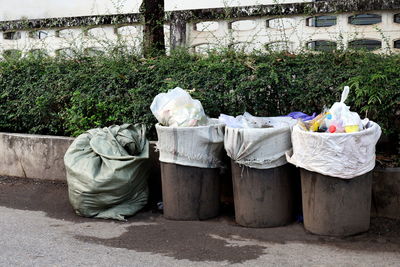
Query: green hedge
x,y
65,97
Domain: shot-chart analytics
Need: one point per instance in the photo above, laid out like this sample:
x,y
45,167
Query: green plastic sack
x,y
107,171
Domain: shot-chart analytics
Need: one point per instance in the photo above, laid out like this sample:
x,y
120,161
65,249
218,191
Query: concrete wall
x,y
33,156
386,193
248,34
289,33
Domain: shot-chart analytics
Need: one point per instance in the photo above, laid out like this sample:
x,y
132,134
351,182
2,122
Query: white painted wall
x,y
38,9
190,4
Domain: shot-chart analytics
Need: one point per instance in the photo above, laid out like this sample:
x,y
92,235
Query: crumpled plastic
x,y
177,109
301,115
337,119
245,121
341,113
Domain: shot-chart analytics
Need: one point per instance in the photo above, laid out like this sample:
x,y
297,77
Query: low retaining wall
x,y
33,156
386,193
42,157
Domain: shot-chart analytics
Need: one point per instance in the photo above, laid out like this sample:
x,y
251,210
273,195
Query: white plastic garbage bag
x,y
340,112
260,148
199,146
338,119
343,155
177,109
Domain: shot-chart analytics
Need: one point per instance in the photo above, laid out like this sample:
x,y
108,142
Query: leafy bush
x,y
66,97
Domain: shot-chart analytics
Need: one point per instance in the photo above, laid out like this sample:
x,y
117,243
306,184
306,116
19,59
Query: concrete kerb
x,y
38,156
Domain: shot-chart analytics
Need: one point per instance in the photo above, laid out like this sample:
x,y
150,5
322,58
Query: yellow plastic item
x,y
314,127
351,128
316,122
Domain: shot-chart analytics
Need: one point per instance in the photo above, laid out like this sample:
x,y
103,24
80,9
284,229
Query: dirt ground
x,y
191,240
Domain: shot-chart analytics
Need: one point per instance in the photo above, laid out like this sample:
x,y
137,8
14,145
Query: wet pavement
x,y
39,228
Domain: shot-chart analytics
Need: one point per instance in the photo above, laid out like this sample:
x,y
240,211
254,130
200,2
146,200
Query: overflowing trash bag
x,y
337,119
335,143
107,172
200,146
258,142
177,109
185,135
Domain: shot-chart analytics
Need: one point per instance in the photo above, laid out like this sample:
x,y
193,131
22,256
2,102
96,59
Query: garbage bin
x,y
334,206
190,159
263,182
335,178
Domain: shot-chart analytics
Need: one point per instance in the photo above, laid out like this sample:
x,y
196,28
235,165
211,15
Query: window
x,y
279,46
243,25
128,30
68,33
365,19
65,52
204,48
37,53
38,34
12,35
12,54
365,44
397,18
281,23
245,47
321,45
206,26
98,32
120,50
321,21
94,51
397,44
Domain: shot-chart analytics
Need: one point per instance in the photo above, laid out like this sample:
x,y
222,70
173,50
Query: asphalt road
x,y
39,228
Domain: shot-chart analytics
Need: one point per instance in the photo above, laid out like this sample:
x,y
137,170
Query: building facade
x,y
64,27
